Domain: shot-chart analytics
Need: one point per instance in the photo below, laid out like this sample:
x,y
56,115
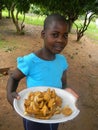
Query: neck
x,y
45,54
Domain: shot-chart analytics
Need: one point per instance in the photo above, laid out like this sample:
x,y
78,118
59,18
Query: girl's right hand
x,y
11,96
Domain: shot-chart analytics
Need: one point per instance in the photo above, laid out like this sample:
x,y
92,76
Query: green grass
x,y
6,45
34,19
3,43
92,31
4,13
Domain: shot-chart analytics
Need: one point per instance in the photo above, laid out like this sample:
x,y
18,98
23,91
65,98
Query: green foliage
x,y
71,9
22,5
35,9
8,3
68,8
38,10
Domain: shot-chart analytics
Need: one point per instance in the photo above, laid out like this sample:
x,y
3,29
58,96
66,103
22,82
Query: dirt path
x,y
82,75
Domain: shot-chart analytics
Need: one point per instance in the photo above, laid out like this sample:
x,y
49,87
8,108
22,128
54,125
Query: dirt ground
x,y
82,75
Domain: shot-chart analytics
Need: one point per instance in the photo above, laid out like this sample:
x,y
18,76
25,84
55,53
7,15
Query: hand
x,y
11,97
72,92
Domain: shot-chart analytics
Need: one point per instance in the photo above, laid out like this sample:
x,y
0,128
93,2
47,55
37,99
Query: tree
x,y
8,4
16,8
1,7
70,9
91,9
80,31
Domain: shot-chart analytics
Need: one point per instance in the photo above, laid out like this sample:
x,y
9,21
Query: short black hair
x,y
54,17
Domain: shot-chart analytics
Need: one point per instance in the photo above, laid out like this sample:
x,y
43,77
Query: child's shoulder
x,y
25,58
28,56
60,56
31,57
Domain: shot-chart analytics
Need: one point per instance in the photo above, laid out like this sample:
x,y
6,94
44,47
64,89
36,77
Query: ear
x,y
43,34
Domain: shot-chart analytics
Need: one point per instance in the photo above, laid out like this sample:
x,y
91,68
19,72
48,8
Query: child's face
x,y
55,37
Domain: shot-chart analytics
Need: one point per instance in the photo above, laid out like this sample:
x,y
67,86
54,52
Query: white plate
x,y
68,99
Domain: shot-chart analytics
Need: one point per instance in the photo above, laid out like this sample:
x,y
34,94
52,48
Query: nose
x,y
60,39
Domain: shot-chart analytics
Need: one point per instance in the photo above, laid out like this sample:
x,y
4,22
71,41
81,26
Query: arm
x,y
64,80
12,85
65,86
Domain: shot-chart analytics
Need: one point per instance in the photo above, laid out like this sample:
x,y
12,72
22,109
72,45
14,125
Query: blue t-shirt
x,y
41,72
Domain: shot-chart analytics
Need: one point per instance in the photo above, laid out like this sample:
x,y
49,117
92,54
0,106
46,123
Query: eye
x,y
55,35
65,36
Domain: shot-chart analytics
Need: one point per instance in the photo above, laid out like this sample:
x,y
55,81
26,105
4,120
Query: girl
x,y
45,67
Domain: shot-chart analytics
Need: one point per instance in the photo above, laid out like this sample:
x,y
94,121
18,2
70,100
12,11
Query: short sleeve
x,y
22,65
64,63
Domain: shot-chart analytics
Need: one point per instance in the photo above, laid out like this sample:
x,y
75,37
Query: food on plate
x,y
43,105
67,111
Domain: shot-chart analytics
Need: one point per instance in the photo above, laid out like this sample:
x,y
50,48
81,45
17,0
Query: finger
x,y
72,92
15,95
18,97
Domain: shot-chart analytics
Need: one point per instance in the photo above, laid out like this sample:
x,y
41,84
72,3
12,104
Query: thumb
x,y
18,97
15,95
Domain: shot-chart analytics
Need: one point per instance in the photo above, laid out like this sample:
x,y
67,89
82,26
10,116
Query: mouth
x,y
58,49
